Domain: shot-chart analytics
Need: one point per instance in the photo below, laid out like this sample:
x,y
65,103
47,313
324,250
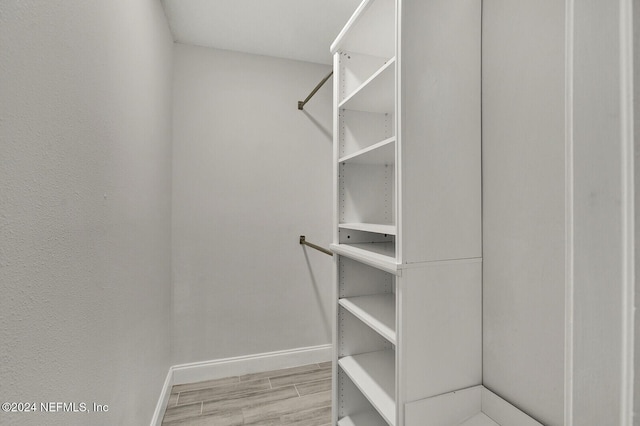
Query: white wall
x,y
85,194
523,204
250,174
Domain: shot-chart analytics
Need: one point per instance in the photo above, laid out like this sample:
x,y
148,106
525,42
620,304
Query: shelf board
x,y
374,374
370,30
370,227
378,311
378,255
367,418
377,94
474,406
382,153
479,419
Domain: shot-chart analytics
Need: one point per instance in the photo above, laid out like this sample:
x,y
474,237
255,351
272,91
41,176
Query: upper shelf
x,y
378,255
378,311
381,153
370,30
377,94
378,228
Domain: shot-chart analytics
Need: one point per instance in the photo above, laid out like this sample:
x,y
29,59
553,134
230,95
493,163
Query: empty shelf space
x,y
370,227
378,311
381,153
479,419
374,374
378,255
377,94
367,418
370,30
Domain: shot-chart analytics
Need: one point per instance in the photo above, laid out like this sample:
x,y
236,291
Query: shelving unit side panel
x,y
338,138
440,323
441,130
335,336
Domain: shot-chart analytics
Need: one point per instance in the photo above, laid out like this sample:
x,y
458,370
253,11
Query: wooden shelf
x,y
374,374
370,30
377,94
382,153
367,418
378,255
370,227
378,311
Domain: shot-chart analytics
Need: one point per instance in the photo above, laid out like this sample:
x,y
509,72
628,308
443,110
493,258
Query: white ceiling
x,y
293,29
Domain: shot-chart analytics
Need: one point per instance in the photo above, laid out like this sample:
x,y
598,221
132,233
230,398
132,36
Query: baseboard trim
x,y
237,366
156,420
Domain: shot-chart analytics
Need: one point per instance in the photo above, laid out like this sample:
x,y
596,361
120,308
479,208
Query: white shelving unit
x,y
407,208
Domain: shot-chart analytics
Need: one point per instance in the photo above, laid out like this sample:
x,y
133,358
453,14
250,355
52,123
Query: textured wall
x,y
85,194
250,174
523,204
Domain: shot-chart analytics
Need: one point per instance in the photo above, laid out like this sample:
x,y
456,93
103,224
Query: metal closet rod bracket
x,y
304,241
313,92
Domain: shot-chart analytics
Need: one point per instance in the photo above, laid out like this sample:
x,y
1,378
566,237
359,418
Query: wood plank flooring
x,y
298,396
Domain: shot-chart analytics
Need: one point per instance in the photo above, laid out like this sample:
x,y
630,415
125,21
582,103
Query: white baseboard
x,y
237,366
219,368
156,420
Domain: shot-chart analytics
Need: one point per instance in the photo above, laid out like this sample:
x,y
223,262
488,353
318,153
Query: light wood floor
x,y
299,396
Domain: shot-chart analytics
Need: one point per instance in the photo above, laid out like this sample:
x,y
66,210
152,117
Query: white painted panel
x,y
602,212
440,139
636,165
440,328
524,204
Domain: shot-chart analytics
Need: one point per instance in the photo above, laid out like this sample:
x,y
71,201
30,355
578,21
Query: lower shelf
x,y
368,418
476,406
374,374
479,419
